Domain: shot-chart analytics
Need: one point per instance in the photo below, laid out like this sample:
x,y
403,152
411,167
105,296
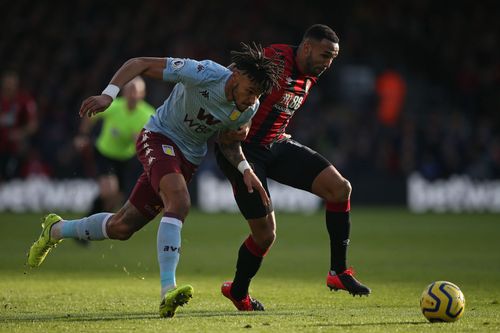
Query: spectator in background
x,y
18,123
391,91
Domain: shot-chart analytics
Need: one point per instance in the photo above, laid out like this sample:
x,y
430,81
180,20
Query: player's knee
x,y
180,206
265,240
268,241
340,192
347,189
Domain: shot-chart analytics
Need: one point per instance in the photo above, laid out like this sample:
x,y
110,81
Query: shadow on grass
x,y
25,318
116,316
371,324
78,317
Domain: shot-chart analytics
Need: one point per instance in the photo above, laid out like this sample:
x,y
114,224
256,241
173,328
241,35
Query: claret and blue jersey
x,y
197,107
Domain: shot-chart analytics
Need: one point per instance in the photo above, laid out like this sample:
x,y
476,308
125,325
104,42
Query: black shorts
x,y
127,171
287,162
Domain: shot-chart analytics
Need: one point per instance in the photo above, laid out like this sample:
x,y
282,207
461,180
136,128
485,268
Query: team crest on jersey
x,y
169,150
177,64
234,115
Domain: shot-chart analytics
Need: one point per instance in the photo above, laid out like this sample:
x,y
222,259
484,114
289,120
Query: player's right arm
x,y
150,67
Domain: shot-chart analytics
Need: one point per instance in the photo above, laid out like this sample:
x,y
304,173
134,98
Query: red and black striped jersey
x,y
277,108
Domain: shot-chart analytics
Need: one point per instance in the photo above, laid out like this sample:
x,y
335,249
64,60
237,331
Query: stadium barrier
x,y
215,195
457,194
212,194
41,194
76,195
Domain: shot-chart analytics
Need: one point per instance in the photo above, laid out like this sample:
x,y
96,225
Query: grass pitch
x,y
113,286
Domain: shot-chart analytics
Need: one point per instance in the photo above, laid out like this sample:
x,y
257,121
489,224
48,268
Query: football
x,y
442,301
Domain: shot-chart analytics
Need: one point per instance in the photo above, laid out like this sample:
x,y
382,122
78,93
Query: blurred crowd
x,y
416,86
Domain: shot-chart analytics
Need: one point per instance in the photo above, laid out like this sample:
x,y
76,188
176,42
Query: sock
x,y
88,228
169,245
250,257
338,225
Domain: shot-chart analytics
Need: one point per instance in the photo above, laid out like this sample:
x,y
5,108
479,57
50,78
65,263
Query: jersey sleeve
x,y
245,116
187,71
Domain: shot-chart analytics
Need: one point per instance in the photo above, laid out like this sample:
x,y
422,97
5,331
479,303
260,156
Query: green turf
x,y
113,286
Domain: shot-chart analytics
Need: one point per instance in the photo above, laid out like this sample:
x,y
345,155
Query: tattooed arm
x,y
232,151
234,154
230,145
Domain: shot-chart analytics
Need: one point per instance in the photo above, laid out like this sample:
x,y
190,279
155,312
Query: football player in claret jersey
x,y
208,98
273,154
114,148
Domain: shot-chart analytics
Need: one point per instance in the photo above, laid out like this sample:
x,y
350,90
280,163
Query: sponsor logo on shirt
x,y
289,103
197,123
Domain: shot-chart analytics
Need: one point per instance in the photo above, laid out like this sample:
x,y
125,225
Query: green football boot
x,y
175,298
42,246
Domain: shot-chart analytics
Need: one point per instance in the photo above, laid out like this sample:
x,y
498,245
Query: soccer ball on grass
x,y
442,301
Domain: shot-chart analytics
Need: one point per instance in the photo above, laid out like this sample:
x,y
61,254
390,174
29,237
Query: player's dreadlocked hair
x,y
264,71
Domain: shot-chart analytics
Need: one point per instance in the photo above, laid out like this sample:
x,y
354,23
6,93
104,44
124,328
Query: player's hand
x,y
252,182
94,105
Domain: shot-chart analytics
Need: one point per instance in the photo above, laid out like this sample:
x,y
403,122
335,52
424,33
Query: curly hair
x,y
264,71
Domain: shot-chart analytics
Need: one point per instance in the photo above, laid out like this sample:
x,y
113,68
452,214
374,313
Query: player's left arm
x,y
232,151
234,154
